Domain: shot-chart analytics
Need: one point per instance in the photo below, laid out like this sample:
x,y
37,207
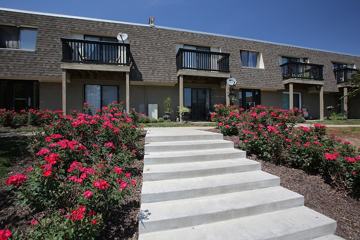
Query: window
x,y
18,38
98,96
249,98
251,59
284,60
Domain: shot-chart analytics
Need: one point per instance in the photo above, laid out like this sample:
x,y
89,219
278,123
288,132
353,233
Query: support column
x,y
63,84
227,92
291,96
127,92
321,103
346,99
181,97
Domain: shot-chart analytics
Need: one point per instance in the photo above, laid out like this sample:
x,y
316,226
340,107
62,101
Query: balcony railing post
x,y
302,70
202,60
97,52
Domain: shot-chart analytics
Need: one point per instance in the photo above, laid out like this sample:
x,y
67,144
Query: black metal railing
x,y
344,74
302,70
202,60
96,52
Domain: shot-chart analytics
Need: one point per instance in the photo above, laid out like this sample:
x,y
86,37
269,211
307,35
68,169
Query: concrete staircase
x,y
197,186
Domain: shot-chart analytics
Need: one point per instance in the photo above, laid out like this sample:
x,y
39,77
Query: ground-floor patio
x,y
198,94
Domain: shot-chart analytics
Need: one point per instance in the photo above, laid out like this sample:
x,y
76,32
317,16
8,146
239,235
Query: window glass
x,y
249,98
9,37
93,97
289,59
109,95
249,59
97,96
187,97
28,38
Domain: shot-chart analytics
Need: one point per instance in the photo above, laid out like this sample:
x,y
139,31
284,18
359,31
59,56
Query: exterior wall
x,y
50,96
141,96
354,108
153,50
309,100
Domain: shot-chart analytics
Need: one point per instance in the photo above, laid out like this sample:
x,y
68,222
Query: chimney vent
x,y
152,21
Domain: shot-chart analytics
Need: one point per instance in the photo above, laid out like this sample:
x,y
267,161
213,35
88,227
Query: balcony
x,y
95,55
344,74
302,71
204,62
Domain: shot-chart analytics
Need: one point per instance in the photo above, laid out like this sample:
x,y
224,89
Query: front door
x,y
198,100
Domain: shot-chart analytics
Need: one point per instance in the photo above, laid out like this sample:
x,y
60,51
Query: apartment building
x,y
51,61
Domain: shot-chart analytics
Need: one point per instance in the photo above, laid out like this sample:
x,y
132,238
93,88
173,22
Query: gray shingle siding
x,y
154,51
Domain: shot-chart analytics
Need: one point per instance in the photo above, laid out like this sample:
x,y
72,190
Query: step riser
x,y
182,138
309,234
199,173
197,158
158,197
189,147
219,216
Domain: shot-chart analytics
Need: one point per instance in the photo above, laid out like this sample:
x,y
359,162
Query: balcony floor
x,y
95,67
303,81
202,73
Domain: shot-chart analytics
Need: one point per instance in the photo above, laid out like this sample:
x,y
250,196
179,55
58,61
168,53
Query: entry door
x,y
200,104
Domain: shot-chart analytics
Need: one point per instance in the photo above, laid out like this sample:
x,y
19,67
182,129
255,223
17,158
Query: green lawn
x,y
338,122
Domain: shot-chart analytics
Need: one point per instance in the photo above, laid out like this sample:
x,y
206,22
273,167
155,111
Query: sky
x,y
331,25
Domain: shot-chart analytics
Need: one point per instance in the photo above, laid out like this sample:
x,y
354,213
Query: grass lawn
x,y
351,134
178,124
337,122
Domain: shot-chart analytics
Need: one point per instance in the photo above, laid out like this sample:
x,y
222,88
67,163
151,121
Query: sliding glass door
x,y
98,96
198,101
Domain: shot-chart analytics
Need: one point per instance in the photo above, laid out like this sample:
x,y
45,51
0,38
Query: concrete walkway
x,y
329,125
198,187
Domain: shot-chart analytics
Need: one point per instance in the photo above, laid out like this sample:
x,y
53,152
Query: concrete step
x,y
181,134
193,156
299,223
329,237
155,172
203,210
187,145
164,190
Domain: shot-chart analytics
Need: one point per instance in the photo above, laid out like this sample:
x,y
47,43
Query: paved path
x,y
198,187
330,125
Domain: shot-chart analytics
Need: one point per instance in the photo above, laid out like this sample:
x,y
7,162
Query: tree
x,y
355,85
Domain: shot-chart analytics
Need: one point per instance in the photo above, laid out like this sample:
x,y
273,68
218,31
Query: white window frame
x,y
259,61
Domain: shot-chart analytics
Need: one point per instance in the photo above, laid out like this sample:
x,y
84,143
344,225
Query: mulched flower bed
x,y
123,224
320,196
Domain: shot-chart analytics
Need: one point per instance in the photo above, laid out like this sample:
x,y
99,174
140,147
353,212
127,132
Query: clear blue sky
x,y
325,24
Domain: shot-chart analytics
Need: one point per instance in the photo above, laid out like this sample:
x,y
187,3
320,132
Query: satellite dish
x,y
231,81
122,37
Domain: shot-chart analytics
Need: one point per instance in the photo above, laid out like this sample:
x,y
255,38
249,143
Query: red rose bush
x,y
272,135
80,173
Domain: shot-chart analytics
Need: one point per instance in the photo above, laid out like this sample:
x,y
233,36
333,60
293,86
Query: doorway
x,y
19,95
199,102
